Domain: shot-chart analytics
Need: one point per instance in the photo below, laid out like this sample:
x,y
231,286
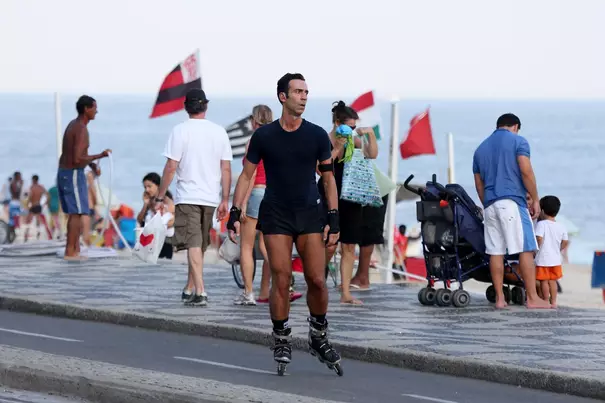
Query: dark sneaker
x,y
198,300
186,297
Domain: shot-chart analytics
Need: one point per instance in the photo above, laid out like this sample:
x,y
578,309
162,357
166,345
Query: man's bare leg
x,y
496,268
279,251
72,246
308,247
362,277
86,229
311,248
196,260
265,281
528,272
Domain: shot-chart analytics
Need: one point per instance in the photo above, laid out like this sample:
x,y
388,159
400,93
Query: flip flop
x,y
353,301
355,287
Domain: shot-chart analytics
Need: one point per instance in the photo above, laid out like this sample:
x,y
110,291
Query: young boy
x,y
552,239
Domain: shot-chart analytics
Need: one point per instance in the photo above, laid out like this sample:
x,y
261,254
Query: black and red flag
x,y
185,76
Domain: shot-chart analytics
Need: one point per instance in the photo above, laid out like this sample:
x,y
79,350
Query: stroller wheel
x,y
461,298
490,294
443,297
507,294
518,295
430,296
422,296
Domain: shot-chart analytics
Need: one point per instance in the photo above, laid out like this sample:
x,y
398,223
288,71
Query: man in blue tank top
x,y
503,176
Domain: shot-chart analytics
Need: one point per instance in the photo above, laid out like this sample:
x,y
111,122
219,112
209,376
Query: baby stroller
x,y
454,246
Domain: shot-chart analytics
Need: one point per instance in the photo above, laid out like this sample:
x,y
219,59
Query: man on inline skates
x,y
291,211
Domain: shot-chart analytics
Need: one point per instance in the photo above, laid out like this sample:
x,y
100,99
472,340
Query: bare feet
x,y
76,258
501,304
350,301
537,303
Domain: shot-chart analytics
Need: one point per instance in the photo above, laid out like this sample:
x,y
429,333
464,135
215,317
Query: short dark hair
x,y
550,205
283,84
342,112
84,102
35,178
508,120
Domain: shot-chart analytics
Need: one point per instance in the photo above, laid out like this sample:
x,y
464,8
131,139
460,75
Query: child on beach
x,y
552,239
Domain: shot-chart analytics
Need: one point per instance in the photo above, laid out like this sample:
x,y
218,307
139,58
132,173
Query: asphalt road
x,y
252,365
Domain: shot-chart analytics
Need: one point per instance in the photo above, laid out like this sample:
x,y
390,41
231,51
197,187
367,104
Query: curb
x,y
24,378
552,381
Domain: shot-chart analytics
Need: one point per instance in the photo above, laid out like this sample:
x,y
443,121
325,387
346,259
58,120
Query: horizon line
x,y
252,96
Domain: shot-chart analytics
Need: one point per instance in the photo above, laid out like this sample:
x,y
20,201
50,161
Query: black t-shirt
x,y
290,160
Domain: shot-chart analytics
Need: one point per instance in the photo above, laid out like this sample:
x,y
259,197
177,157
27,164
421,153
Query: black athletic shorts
x,y
37,209
275,219
362,225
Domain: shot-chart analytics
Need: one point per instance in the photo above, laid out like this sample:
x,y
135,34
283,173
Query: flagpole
x,y
392,201
58,124
58,133
450,159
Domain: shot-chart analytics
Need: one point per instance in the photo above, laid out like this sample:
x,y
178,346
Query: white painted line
x,y
220,364
430,399
44,336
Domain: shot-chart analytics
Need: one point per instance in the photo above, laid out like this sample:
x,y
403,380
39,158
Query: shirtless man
x,y
36,191
71,180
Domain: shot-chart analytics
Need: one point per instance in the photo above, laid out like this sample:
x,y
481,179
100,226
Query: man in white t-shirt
x,y
199,152
552,239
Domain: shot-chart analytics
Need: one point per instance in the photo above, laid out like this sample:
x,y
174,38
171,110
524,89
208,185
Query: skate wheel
x,y
338,369
281,369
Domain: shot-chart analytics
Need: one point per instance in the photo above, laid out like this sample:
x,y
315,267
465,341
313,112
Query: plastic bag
x,y
359,181
385,184
229,251
151,240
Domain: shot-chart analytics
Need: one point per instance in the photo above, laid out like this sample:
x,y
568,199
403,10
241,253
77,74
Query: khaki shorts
x,y
192,224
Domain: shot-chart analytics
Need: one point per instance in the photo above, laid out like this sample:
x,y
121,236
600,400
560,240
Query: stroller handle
x,y
406,185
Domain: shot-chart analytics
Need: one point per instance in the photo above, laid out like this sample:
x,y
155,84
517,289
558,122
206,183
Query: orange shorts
x,y
548,273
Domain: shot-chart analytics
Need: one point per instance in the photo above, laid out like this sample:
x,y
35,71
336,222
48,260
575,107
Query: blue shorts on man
x,y
73,191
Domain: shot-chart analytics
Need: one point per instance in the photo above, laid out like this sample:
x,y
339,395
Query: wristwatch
x,y
158,200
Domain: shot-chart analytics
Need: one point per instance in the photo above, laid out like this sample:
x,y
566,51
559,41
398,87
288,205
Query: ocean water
x,y
566,138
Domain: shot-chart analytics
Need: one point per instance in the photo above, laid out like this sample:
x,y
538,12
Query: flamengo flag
x,y
420,137
184,77
239,134
369,114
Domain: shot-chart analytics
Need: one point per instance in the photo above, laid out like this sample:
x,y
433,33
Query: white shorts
x,y
508,229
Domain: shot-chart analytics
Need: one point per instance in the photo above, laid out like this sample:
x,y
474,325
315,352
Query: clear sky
x,y
411,49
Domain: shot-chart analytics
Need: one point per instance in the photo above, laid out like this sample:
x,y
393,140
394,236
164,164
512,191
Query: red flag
x,y
420,137
185,76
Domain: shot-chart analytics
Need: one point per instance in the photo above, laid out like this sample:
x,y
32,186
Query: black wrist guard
x,y
234,216
333,222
